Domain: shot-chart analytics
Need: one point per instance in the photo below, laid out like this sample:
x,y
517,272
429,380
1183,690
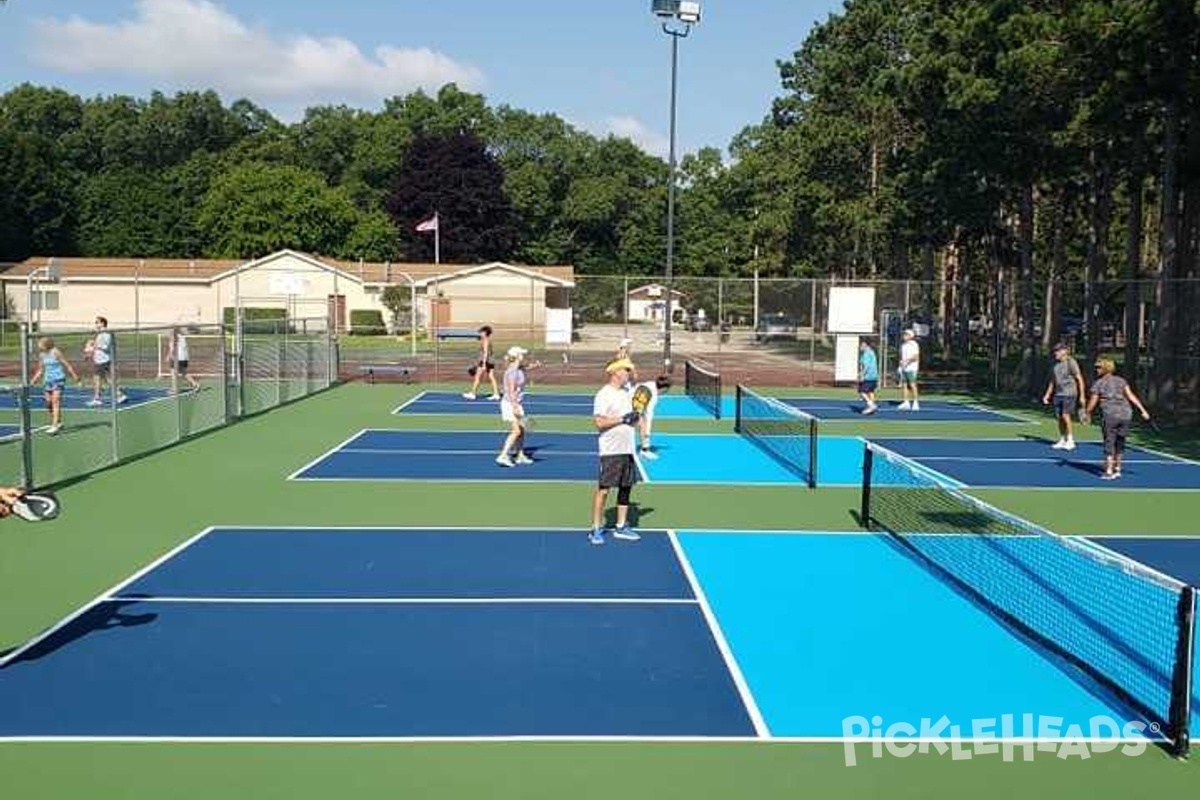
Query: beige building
x,y
152,292
647,302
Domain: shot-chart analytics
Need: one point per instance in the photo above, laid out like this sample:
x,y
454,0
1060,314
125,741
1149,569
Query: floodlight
x,y
688,12
664,8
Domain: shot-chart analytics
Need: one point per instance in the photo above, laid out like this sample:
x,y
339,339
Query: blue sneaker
x,y
627,533
596,536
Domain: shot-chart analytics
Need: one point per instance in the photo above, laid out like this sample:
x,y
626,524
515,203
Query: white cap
x,y
516,352
909,332
626,342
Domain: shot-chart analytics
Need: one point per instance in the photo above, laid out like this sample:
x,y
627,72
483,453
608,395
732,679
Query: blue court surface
x,y
679,406
470,456
7,431
451,633
77,397
1032,463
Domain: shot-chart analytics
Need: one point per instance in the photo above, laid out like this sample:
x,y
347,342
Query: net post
x,y
1181,681
864,510
813,439
720,397
737,408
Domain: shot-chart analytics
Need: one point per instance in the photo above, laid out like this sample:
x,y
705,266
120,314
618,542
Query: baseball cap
x,y
626,342
516,352
620,363
909,332
1061,346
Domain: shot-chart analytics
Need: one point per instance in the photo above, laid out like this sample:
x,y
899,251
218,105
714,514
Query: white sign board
x,y
845,365
851,309
287,283
558,326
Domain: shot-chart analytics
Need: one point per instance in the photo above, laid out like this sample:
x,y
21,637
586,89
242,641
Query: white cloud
x,y
651,141
196,44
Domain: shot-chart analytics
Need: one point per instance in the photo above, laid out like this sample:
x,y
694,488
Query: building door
x,y
337,312
441,312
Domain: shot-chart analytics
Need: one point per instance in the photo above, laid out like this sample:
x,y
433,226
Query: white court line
x,y
750,741
409,402
760,726
448,452
1050,460
295,475
103,597
413,601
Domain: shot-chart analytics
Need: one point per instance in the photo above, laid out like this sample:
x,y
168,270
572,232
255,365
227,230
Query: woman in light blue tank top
x,y
52,370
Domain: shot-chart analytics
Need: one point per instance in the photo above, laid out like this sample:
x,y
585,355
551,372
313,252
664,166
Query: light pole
x,y
686,14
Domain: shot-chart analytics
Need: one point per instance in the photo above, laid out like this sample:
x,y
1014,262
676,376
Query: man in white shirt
x,y
910,365
615,419
657,386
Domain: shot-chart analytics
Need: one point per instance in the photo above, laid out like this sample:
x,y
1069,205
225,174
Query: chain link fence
x,y
164,384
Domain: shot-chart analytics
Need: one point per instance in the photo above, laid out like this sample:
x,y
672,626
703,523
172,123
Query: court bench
x,y
403,372
457,333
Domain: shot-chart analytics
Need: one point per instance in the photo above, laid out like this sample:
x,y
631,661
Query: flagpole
x,y
437,239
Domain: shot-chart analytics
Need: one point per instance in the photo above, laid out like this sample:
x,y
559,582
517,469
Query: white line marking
x,y
517,738
102,597
435,452
760,726
431,601
1049,460
295,475
409,402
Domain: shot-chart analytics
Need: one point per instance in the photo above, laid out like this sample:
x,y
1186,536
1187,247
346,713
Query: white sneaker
x,y
905,406
94,403
1069,444
1059,445
647,453
121,398
53,429
504,460
468,395
493,397
916,406
522,458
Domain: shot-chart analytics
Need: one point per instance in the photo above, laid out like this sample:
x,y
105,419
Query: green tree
x,y
456,177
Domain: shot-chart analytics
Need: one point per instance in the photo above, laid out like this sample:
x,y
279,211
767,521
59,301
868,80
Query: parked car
x,y
776,326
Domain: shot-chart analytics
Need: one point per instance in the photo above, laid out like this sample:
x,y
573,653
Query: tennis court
x,y
419,630
413,633
80,397
680,406
1030,462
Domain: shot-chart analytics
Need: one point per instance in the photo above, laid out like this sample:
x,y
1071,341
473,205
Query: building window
x,y
44,301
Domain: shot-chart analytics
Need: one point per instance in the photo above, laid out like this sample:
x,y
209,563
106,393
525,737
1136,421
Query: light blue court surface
x,y
1033,463
677,405
470,456
868,631
432,633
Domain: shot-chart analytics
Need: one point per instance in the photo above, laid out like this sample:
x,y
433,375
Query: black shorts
x,y
181,367
1115,432
617,471
866,387
103,369
1065,405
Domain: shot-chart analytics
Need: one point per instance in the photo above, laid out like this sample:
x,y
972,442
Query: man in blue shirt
x,y
868,375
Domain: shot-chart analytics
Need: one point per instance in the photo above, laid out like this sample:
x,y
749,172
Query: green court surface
x,y
118,520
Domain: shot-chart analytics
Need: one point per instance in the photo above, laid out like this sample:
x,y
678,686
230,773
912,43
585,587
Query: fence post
x,y
27,475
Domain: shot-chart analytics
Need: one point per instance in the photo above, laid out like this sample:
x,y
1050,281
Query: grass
x,y
116,521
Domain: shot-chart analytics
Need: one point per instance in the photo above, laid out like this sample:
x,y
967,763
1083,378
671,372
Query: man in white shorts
x,y
910,365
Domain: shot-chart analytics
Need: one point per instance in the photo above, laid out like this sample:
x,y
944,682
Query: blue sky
x,y
603,65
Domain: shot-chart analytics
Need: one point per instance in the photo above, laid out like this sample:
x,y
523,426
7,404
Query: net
x,y
787,434
704,387
1122,623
